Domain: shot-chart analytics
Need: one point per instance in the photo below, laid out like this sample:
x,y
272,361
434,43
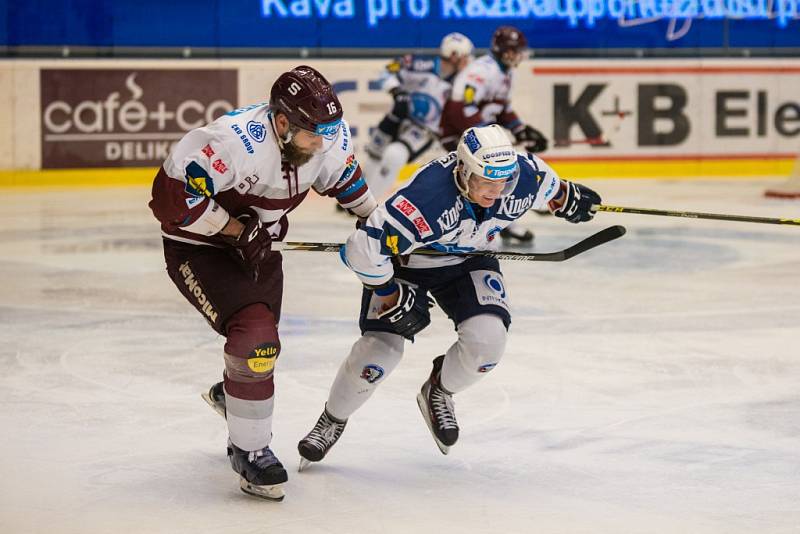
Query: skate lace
x,y
325,433
443,408
262,458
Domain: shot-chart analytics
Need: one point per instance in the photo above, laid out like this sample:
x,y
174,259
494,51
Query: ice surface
x,y
650,385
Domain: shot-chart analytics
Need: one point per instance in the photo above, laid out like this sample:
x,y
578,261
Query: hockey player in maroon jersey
x,y
482,95
222,196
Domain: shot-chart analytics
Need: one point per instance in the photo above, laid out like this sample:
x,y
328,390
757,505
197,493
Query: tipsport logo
x,y
498,173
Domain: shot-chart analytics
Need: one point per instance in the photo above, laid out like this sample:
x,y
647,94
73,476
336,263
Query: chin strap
x,y
463,188
281,140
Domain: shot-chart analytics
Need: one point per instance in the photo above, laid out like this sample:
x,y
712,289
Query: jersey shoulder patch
x,y
410,211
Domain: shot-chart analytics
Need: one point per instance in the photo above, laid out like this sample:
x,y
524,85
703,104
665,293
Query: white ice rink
x,y
649,386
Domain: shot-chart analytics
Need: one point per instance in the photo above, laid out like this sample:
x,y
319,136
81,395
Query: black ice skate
x,y
513,235
260,472
319,441
436,405
215,397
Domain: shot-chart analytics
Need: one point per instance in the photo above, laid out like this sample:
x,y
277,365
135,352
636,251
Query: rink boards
x,y
111,122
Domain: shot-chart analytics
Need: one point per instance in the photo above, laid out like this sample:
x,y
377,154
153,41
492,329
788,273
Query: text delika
x,y
137,150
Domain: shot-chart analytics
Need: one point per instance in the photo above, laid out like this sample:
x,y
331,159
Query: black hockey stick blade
x,y
595,240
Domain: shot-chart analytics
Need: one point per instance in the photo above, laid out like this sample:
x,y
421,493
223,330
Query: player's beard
x,y
294,155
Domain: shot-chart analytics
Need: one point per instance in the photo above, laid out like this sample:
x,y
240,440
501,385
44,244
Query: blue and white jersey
x,y
430,212
420,77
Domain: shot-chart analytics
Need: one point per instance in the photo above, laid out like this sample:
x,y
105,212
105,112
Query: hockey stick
x,y
696,215
603,236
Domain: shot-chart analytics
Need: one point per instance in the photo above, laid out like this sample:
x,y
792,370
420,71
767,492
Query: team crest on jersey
x,y
493,233
372,373
257,131
198,182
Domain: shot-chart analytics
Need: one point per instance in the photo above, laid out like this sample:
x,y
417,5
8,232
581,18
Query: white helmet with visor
x,y
487,152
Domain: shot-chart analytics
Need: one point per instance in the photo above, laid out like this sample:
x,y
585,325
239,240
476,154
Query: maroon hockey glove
x,y
580,204
251,246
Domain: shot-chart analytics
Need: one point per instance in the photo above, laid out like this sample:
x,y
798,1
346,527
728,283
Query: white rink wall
x,y
126,112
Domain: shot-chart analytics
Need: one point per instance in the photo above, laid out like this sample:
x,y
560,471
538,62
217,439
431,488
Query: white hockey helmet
x,y
486,151
455,43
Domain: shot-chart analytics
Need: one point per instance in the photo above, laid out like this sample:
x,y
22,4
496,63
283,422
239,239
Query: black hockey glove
x,y
530,138
410,315
580,205
251,246
402,104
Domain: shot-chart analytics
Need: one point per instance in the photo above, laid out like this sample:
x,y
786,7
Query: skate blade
x,y
304,464
271,493
217,408
423,408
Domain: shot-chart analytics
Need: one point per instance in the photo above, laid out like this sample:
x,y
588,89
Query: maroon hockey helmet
x,y
508,38
307,99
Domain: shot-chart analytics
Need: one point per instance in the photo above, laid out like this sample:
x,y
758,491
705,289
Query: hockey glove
x,y
530,138
402,104
580,203
410,315
252,244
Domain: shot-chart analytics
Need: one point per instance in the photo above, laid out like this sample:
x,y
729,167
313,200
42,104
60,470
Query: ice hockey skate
x,y
436,405
215,397
260,472
319,441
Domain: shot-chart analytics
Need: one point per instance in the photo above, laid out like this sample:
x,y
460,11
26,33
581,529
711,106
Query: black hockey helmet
x,y
307,99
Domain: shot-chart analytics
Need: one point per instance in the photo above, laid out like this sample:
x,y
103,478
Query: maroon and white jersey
x,y
481,95
234,165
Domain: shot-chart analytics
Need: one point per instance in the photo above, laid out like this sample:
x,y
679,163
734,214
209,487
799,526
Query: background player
x,y
420,86
222,196
455,204
482,95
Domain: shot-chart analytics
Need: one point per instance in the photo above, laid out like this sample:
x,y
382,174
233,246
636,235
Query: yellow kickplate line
x,y
726,169
57,178
658,169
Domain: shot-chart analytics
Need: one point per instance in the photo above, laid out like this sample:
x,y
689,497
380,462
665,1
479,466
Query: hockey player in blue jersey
x,y
458,203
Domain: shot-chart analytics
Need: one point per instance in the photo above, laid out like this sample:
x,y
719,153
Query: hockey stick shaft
x,y
594,240
696,215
